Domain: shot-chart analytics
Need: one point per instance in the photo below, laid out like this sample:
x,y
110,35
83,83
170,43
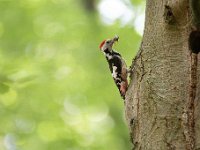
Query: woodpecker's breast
x,y
115,63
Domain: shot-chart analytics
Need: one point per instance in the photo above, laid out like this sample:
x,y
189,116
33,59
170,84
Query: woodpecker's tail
x,y
123,88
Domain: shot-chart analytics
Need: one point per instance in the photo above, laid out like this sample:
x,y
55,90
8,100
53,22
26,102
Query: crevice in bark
x,y
137,70
188,115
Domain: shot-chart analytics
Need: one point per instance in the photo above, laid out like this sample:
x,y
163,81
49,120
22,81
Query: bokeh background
x,y
56,91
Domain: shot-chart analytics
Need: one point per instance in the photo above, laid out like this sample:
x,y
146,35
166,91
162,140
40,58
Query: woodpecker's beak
x,y
115,39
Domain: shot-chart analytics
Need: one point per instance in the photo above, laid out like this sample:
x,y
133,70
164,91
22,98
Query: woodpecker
x,y
116,64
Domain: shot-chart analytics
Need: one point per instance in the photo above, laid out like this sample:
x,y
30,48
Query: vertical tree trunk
x,y
163,100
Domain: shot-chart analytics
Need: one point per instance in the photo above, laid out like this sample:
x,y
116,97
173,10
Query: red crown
x,y
102,43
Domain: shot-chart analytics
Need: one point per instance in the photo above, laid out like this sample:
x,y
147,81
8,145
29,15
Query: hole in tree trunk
x,y
168,15
194,41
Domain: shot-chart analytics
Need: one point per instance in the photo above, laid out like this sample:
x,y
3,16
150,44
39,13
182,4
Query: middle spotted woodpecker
x,y
117,65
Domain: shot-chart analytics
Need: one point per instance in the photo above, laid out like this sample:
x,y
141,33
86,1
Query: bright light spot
x,y
52,29
10,142
139,24
98,116
62,72
87,121
104,126
45,50
71,108
24,125
112,10
19,75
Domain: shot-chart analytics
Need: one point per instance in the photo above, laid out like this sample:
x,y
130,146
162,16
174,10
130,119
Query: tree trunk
x,y
163,100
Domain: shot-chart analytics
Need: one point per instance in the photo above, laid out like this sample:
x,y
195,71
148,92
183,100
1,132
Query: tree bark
x,y
162,105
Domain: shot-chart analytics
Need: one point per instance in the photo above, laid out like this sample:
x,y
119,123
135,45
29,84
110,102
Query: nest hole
x,y
194,41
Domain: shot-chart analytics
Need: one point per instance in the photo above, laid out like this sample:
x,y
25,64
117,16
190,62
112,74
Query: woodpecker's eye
x,y
107,42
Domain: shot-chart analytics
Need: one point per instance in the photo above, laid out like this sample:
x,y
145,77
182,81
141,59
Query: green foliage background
x,y
56,91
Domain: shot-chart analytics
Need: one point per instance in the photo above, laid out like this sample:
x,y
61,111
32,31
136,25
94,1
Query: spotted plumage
x,y
117,65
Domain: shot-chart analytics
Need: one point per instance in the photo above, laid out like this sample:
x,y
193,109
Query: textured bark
x,y
163,100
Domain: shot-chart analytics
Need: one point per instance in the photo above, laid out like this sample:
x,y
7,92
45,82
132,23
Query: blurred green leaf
x,y
3,88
